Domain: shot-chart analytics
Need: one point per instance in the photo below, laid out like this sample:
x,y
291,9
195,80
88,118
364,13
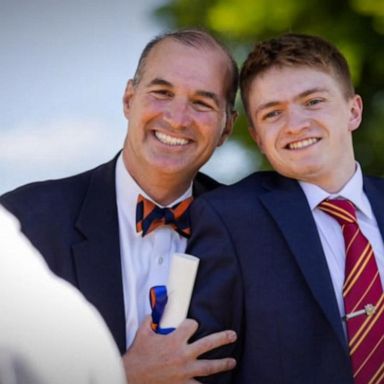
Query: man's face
x,y
177,111
302,122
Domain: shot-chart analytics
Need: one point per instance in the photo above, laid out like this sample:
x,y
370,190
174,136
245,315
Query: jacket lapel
x,y
97,258
288,206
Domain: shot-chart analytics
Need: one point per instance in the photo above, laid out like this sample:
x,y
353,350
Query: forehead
x,y
282,83
204,67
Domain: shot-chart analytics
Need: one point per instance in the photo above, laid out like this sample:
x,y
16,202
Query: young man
x,y
282,263
179,107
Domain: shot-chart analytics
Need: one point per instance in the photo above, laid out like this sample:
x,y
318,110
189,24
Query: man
x,y
179,107
49,333
273,258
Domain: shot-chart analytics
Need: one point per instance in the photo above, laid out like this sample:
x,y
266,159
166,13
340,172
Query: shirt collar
x,y
352,191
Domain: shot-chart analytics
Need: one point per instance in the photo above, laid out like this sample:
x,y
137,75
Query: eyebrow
x,y
159,81
306,93
310,91
201,93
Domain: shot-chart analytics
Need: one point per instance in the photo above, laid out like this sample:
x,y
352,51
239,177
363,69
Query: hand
x,y
164,359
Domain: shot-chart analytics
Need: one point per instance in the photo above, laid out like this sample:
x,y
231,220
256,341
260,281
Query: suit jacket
x,y
263,273
73,222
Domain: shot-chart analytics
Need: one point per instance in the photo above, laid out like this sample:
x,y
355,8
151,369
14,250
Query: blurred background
x,y
64,66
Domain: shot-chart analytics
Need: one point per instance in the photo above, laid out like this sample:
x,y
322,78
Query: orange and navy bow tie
x,y
149,216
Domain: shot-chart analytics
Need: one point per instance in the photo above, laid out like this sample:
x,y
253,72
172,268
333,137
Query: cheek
x,y
149,105
206,118
265,140
211,126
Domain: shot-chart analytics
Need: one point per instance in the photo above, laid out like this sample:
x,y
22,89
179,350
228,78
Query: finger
x,y
186,329
212,341
202,368
145,326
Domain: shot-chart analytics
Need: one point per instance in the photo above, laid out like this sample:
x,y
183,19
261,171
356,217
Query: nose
x,y
177,114
297,120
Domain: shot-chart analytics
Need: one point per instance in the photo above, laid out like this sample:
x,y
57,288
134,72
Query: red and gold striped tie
x,y
363,296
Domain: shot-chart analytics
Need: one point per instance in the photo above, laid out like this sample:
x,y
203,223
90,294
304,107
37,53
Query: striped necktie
x,y
363,297
149,216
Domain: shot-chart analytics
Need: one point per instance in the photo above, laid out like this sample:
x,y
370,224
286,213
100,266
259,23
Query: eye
x,y
271,115
313,102
162,93
202,105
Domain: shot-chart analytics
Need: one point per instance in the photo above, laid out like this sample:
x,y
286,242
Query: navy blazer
x,y
263,273
73,222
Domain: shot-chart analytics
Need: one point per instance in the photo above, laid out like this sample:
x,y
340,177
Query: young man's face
x,y
177,111
302,122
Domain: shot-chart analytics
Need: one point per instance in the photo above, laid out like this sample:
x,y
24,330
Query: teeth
x,y
170,140
302,144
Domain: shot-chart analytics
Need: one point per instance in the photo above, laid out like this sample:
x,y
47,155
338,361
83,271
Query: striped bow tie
x,y
149,216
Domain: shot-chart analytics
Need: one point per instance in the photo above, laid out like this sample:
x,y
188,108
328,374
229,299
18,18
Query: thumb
x,y
146,326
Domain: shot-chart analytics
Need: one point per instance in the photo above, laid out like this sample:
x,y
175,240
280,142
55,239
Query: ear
x,y
356,112
256,137
127,98
230,122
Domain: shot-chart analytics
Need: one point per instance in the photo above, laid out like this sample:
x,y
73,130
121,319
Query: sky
x,y
63,69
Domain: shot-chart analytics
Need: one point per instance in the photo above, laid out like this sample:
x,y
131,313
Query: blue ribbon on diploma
x,y
158,298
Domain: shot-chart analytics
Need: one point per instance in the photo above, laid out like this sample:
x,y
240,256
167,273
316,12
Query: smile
x,y
303,143
170,140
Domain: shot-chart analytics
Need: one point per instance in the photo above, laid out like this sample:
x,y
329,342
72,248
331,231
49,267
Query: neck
x,y
162,188
161,191
338,180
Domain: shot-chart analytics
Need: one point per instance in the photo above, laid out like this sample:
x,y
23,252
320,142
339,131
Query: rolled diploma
x,y
181,279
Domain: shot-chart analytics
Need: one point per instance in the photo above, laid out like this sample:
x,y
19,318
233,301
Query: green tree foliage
x,y
355,26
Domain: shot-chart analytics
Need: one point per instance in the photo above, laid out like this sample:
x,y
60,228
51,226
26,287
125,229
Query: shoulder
x,y
34,196
253,185
255,182
241,199
376,181
374,188
52,196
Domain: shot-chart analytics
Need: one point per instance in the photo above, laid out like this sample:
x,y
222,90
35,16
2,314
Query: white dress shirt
x,y
49,333
330,230
144,260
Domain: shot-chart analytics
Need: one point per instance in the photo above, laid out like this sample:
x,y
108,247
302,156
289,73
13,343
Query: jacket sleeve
x,y
217,301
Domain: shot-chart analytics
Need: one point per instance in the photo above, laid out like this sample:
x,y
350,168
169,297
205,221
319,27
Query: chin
x,y
171,169
306,173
